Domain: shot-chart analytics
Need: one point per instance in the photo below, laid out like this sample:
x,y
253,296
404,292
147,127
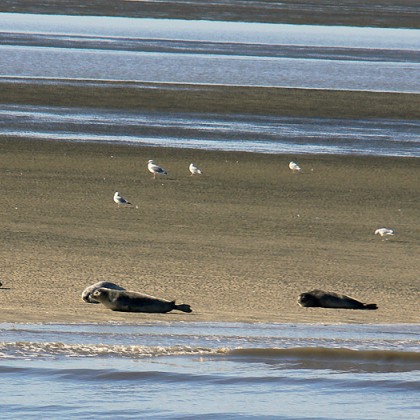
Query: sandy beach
x,y
86,102
238,244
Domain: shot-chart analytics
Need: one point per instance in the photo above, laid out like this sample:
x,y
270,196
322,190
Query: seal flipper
x,y
183,307
370,306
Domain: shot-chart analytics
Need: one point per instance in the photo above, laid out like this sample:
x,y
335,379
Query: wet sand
x,y
238,244
380,13
172,97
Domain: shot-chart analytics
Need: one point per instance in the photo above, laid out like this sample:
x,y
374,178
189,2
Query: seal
x,y
128,301
87,293
321,299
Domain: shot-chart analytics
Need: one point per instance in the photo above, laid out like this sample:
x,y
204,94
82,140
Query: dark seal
x,y
128,301
321,299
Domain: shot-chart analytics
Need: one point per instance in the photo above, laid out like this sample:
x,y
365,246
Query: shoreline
x,y
164,97
190,150
215,322
239,244
385,13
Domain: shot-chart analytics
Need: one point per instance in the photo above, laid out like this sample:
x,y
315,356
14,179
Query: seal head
x,y
87,293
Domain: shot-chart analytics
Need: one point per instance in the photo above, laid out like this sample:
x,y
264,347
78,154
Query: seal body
x,y
87,293
321,299
128,301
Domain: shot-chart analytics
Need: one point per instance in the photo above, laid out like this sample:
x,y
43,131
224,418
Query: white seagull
x,y
155,169
384,232
121,201
294,167
195,170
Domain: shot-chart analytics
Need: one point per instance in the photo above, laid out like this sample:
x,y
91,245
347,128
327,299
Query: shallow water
x,y
199,52
202,370
214,132
88,49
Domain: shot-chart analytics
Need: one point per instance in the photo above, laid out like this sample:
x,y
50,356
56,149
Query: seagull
x,y
384,232
195,170
120,200
155,169
294,167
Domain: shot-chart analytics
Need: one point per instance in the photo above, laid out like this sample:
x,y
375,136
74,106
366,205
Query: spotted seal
x,y
128,301
321,299
87,293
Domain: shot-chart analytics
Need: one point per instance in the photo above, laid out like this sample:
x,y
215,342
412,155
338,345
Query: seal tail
x,y
370,306
183,307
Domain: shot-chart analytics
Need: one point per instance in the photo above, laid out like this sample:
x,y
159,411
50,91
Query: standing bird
x,y
294,167
121,201
155,169
195,170
384,232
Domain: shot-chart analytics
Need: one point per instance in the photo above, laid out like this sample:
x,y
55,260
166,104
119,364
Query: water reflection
x,y
218,132
248,54
232,32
